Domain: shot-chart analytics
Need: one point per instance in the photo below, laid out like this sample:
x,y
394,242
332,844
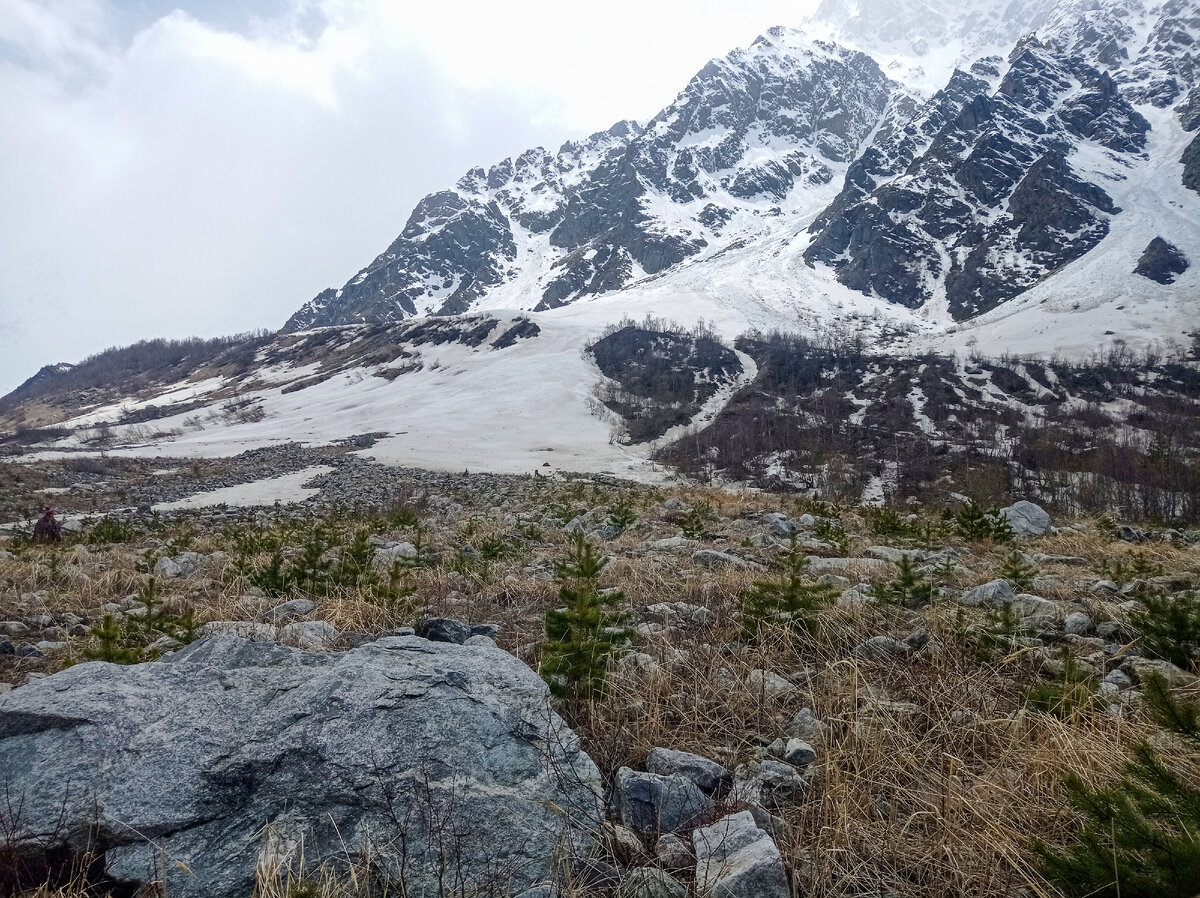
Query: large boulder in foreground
x,y
234,753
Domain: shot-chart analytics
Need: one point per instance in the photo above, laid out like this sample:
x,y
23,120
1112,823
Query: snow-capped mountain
x,y
828,146
761,134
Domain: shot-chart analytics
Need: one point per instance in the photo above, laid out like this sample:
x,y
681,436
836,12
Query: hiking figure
x,y
47,529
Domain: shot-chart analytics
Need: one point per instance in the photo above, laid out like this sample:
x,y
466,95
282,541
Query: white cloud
x,y
189,177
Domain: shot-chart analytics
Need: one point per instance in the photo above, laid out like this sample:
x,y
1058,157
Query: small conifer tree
x,y
583,633
908,588
1018,572
111,638
791,599
974,523
1170,627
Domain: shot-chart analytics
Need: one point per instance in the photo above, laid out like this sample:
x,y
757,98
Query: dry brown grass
x,y
933,777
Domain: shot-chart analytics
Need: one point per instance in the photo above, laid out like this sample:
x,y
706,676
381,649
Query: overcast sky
x,y
178,168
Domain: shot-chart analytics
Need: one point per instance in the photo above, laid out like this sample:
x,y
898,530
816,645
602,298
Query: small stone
x,y
711,558
798,753
992,595
254,632
167,569
650,882
310,634
673,853
289,611
1118,679
768,783
481,641
770,685
1078,623
881,649
444,629
649,803
385,559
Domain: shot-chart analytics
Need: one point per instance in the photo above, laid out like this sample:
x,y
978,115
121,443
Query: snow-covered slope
x,y
916,174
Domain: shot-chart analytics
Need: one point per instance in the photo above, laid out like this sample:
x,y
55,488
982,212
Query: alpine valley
x,y
971,218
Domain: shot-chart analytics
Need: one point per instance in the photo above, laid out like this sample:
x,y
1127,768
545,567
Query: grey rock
x,y
672,542
769,685
241,629
882,648
13,628
711,558
865,566
736,859
385,559
651,803
317,635
1027,519
1078,623
168,569
992,595
767,783
779,524
481,640
807,726
591,874
711,777
289,611
444,629
650,882
1118,679
673,853
888,553
794,751
232,734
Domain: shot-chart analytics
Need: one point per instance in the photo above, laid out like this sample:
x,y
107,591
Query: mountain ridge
x,y
798,139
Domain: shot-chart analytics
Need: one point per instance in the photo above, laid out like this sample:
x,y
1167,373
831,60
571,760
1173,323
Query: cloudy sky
x,y
178,167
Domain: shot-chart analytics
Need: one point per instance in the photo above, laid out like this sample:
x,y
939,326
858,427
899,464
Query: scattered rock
x,y
767,783
385,559
992,595
736,859
444,629
1027,519
770,685
794,751
711,777
318,635
881,649
650,882
289,611
711,558
1078,623
650,803
673,853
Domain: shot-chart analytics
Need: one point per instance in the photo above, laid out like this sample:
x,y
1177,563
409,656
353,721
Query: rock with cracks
x,y
736,859
414,753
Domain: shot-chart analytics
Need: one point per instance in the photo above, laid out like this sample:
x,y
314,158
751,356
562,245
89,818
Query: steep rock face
x,y
443,757
993,204
749,137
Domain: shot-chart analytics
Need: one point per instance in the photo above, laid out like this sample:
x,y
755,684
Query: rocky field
x,y
749,694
